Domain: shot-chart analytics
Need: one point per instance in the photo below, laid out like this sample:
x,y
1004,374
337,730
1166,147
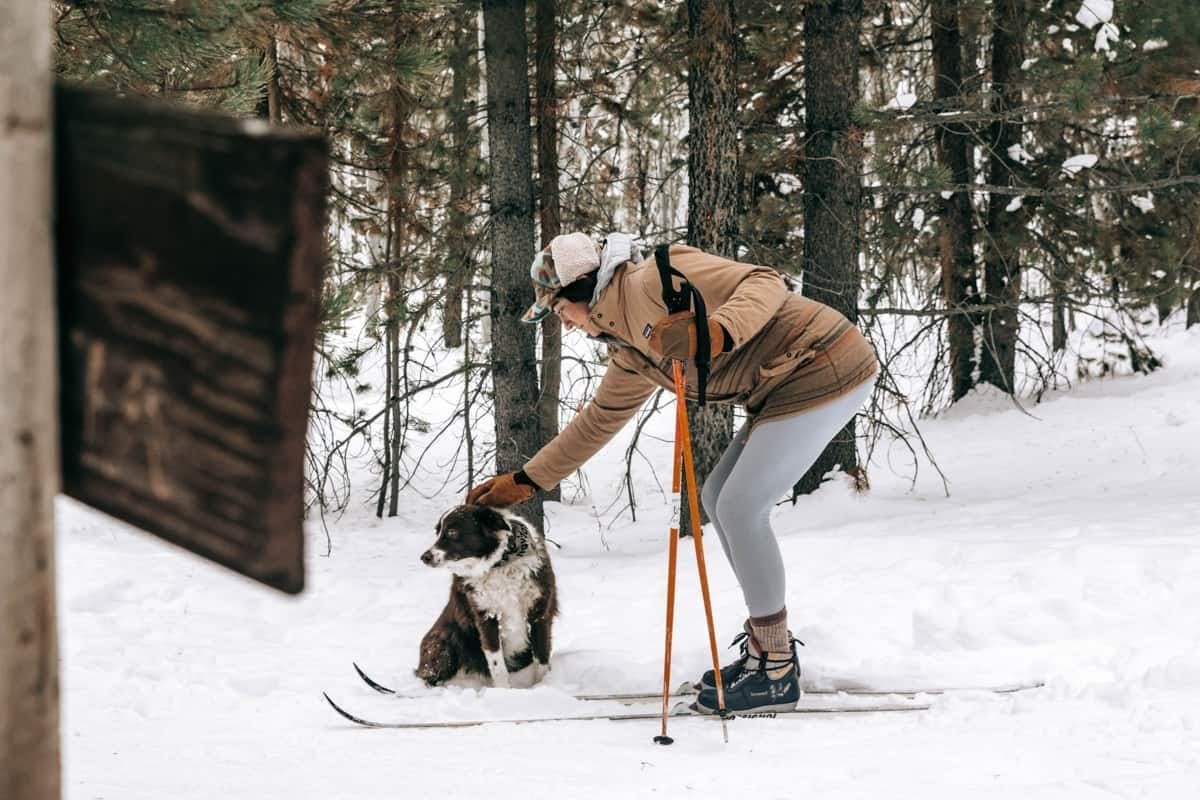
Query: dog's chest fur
x,y
510,589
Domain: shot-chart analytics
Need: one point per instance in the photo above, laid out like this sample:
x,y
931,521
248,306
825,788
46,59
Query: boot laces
x,y
742,641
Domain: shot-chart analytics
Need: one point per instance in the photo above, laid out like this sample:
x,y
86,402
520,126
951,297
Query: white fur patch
x,y
507,593
496,666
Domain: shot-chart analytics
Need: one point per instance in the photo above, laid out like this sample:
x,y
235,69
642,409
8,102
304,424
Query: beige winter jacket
x,y
790,353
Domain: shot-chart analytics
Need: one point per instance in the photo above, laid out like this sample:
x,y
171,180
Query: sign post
x,y
29,473
157,364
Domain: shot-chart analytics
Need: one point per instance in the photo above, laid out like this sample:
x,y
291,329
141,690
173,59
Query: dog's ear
x,y
491,519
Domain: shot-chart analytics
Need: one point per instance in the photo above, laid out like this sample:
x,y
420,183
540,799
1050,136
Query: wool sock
x,y
770,633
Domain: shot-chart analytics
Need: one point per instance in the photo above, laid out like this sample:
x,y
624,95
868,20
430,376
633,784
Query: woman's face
x,y
575,316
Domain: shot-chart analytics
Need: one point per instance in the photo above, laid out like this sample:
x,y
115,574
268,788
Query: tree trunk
x,y
714,183
29,467
458,263
832,184
1002,261
1193,308
1058,291
514,359
957,241
551,219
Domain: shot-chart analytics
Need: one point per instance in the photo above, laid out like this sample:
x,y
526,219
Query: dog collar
x,y
519,542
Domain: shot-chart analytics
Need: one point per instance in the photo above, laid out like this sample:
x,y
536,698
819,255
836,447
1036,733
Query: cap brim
x,y
535,313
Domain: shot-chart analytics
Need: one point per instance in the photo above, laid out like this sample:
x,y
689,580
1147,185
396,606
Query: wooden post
x,y
29,471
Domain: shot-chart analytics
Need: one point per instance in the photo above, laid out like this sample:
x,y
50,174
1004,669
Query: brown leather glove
x,y
675,336
503,490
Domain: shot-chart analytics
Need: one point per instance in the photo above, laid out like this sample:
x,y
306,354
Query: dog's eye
x,y
452,533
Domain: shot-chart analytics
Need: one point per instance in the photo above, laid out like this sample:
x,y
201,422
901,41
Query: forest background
x,y
1001,193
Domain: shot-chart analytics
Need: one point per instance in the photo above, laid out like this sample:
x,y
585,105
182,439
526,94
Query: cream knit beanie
x,y
574,256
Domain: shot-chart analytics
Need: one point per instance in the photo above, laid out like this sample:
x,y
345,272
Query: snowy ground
x,y
1067,551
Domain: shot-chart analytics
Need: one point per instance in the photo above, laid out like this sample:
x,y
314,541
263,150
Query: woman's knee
x,y
738,510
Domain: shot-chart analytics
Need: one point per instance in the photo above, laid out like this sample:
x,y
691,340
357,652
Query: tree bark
x,y
832,184
550,215
957,240
458,263
29,466
714,183
394,271
514,359
1002,259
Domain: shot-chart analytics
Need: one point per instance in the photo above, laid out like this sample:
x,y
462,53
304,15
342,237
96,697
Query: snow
x,y
1074,164
1107,33
918,219
1017,152
1154,44
1094,12
1144,204
903,101
1014,204
1067,550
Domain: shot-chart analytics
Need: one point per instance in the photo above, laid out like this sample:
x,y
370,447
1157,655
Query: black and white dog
x,y
502,600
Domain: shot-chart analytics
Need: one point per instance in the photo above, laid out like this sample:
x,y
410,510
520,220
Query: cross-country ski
x,y
677,711
687,690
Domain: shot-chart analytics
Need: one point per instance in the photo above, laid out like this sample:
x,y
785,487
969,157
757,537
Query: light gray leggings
x,y
756,472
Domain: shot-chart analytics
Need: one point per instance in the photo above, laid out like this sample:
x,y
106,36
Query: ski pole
x,y
698,540
672,555
683,447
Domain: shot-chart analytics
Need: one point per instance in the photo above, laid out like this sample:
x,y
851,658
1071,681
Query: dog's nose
x,y
427,557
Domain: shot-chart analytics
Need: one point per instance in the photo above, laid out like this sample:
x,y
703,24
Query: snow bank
x,y
1067,550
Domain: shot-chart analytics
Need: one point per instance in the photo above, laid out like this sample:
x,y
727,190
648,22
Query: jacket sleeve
x,y
759,294
619,396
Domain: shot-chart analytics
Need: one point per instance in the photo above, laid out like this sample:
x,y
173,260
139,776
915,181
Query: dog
x,y
497,622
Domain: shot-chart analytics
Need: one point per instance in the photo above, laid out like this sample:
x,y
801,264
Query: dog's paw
x,y
539,671
525,677
498,670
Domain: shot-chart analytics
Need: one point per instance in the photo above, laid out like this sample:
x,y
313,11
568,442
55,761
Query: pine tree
x,y
957,238
714,185
514,364
549,212
832,184
1002,260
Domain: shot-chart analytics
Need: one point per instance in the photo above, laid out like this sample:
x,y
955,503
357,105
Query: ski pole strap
x,y
684,298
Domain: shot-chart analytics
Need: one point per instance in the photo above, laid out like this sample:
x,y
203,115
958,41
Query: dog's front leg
x,y
489,638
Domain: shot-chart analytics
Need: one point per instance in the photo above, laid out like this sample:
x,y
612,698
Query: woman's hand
x,y
504,490
675,336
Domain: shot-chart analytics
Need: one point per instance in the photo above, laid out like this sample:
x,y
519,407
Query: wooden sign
x,y
190,259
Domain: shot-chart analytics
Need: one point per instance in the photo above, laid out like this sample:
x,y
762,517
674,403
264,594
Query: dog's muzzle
x,y
433,557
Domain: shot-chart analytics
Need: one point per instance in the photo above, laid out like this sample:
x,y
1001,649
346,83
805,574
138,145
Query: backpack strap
x,y
684,298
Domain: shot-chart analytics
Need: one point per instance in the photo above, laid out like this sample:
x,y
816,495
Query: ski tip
x,y
369,682
346,714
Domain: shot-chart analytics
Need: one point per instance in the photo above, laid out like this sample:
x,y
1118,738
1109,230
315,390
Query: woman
x,y
801,370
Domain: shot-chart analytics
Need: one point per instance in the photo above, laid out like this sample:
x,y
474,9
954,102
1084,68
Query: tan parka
x,y
790,353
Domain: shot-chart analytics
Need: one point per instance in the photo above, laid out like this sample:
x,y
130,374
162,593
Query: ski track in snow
x,y
1066,551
